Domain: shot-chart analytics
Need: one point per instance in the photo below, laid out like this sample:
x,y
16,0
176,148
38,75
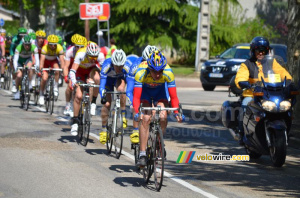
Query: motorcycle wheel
x,y
278,150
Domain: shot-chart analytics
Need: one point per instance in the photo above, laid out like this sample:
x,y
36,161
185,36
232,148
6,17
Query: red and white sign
x,y
100,11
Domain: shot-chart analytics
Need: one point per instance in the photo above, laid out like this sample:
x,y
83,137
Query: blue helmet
x,y
157,61
259,43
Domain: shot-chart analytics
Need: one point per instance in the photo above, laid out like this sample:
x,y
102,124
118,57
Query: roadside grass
x,y
182,70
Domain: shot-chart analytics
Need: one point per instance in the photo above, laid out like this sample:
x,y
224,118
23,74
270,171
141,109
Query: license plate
x,y
213,75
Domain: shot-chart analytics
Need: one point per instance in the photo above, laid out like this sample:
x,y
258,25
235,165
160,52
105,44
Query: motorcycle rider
x,y
251,71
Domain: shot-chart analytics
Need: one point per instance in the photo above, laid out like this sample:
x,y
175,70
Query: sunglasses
x,y
93,57
263,51
156,72
53,45
78,46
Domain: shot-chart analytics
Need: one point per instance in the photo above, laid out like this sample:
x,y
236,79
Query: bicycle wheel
x,y
80,117
7,78
51,100
118,136
159,159
86,123
110,139
136,152
148,169
36,92
26,94
21,89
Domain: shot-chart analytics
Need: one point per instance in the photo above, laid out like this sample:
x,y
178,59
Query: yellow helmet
x,y
52,38
40,33
75,37
80,40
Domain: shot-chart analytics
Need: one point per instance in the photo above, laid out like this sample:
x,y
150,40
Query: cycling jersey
x,y
52,54
1,44
109,76
70,55
7,48
146,85
81,58
22,55
14,43
35,42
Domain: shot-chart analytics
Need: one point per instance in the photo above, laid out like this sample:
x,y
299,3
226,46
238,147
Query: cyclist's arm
x,y
137,93
11,49
42,61
61,58
37,59
66,66
103,78
3,49
129,89
16,58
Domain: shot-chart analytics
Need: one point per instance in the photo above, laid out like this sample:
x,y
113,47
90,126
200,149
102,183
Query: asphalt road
x,y
40,158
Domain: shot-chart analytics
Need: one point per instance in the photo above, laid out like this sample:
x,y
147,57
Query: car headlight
x,y
269,106
285,106
203,66
235,68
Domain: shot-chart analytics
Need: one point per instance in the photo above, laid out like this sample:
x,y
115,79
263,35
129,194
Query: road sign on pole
x,y
1,22
100,11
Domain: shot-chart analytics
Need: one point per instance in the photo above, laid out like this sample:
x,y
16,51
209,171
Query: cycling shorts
x,y
158,94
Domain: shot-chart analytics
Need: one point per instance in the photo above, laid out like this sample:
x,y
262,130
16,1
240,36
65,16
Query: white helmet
x,y
118,58
92,49
148,50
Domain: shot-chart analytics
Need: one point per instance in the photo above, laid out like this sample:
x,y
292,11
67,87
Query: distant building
x,y
8,15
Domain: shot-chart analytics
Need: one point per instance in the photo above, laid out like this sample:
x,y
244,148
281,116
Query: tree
x,y
293,23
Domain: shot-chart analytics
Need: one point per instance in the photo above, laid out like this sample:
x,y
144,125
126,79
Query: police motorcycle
x,y
267,119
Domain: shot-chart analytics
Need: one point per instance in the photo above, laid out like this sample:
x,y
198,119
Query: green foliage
x,y
229,28
11,26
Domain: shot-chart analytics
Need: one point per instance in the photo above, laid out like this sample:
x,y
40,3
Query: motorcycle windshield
x,y
271,79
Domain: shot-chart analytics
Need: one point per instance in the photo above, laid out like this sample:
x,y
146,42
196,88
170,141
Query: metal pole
x,y
108,36
86,27
98,31
198,44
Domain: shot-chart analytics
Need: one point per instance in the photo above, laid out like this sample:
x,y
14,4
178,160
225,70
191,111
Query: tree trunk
x,y
51,12
33,15
22,13
294,46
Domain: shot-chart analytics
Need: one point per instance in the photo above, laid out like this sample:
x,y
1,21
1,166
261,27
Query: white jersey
x,y
82,60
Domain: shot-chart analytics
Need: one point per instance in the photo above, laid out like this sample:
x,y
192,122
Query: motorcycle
x,y
267,119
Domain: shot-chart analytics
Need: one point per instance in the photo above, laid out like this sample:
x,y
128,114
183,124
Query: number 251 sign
x,y
100,11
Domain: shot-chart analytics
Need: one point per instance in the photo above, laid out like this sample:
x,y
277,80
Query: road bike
x,y
49,96
85,114
24,88
115,130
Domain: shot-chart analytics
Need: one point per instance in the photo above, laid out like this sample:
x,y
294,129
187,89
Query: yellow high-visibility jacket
x,y
252,71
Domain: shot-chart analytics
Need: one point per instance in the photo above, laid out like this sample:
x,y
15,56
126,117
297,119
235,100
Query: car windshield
x,y
240,52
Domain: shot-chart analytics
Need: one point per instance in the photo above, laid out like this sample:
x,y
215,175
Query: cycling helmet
x,y
74,38
157,61
26,39
30,31
59,39
22,31
259,43
9,36
40,33
118,58
148,50
32,35
53,39
80,41
92,49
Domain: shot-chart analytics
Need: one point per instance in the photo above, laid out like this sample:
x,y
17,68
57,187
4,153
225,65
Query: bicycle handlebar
x,y
51,69
88,85
115,92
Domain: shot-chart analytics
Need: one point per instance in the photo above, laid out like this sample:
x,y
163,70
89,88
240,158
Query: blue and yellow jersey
x,y
109,71
143,77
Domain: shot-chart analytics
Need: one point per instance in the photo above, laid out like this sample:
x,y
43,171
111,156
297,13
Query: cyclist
x,y
79,42
86,67
49,55
16,40
150,81
7,47
23,57
113,74
2,53
134,137
40,40
2,56
112,48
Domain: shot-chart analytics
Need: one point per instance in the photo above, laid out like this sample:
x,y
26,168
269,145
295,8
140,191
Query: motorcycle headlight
x,y
235,68
285,106
269,106
203,66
